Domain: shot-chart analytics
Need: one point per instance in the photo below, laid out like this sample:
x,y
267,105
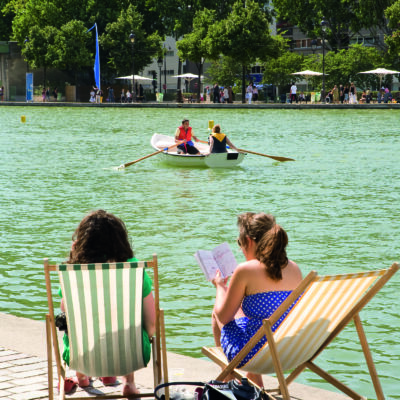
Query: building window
x,y
366,41
256,69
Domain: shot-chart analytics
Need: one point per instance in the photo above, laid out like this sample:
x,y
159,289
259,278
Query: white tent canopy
x,y
189,76
307,73
137,78
380,72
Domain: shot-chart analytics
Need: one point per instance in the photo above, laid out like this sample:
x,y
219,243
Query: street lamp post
x,y
25,43
314,45
160,63
323,26
165,71
132,39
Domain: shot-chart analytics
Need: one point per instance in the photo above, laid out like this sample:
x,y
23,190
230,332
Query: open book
x,y
220,258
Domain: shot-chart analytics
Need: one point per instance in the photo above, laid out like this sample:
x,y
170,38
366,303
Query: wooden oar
x,y
277,158
122,166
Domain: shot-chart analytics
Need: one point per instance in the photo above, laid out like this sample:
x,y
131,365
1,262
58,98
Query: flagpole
x,y
96,66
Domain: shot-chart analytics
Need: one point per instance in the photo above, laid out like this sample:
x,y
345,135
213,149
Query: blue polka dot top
x,y
235,334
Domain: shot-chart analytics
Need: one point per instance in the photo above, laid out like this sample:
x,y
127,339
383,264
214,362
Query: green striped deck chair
x,y
103,305
325,306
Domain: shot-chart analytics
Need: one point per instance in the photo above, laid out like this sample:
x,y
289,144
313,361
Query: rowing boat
x,y
214,160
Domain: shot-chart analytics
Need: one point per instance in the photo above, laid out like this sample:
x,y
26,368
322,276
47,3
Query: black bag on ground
x,y
233,390
216,390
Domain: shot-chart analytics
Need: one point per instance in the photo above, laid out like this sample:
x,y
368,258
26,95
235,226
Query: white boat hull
x,y
214,160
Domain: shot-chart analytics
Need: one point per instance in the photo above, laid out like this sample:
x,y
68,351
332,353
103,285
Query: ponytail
x,y
271,251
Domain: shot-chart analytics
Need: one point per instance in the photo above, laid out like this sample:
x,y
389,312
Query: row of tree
x,y
231,34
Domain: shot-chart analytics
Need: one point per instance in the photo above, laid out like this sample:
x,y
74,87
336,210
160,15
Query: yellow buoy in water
x,y
210,124
23,118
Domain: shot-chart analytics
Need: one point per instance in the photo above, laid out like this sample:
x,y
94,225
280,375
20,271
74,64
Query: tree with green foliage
x,y
57,34
392,40
196,45
72,51
244,36
371,17
344,17
41,48
6,19
344,66
116,44
226,71
278,71
177,16
49,36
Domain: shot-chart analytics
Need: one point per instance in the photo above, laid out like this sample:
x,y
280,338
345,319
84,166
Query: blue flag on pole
x,y
97,59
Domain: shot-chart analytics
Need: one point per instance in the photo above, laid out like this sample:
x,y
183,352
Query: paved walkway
x,y
23,367
236,105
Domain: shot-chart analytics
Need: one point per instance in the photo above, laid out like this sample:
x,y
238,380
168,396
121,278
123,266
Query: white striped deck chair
x,y
327,304
103,305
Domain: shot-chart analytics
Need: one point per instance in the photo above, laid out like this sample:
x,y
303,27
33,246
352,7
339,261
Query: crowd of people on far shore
x,y
97,95
347,94
343,94
225,94
46,94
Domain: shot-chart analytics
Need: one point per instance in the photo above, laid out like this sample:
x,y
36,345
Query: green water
x,y
339,203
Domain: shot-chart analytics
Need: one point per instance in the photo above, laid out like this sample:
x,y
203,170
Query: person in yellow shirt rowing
x,y
219,140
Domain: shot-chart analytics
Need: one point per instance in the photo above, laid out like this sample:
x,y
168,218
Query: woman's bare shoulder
x,y
294,270
248,265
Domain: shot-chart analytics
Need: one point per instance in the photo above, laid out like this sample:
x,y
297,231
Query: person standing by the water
x,y
249,92
1,93
353,94
341,94
216,93
293,93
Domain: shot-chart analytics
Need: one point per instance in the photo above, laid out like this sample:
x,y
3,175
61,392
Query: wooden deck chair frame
x,y
158,342
380,279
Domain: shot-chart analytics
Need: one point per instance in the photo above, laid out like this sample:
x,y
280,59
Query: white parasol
x,y
137,78
380,72
308,73
189,76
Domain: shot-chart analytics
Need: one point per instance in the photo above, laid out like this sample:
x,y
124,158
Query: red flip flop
x,y
69,384
108,380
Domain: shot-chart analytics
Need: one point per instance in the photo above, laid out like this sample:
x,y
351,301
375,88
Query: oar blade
x,y
123,166
277,158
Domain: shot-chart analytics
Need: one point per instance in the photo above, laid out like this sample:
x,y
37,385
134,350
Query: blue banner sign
x,y
29,86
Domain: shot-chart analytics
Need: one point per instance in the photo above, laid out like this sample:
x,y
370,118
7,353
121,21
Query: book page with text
x,y
225,259
207,263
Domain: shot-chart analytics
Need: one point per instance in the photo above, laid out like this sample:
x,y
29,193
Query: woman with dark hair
x,y
257,287
102,237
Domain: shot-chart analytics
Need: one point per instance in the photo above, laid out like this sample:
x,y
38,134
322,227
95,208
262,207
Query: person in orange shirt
x,y
185,133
